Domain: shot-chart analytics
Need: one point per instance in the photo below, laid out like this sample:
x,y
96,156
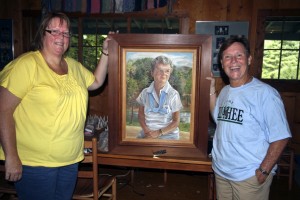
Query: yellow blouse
x,y
50,118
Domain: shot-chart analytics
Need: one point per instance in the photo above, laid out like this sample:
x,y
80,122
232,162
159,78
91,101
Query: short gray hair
x,y
161,60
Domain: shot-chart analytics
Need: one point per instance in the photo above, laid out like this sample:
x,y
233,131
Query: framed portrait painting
x,y
130,57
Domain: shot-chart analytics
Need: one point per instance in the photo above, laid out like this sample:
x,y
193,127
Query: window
x,y
89,33
92,40
88,37
281,48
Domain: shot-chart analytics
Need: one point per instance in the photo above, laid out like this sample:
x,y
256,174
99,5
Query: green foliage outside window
x,y
91,48
281,60
73,50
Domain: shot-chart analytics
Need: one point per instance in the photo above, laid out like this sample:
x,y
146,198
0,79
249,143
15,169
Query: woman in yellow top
x,y
43,106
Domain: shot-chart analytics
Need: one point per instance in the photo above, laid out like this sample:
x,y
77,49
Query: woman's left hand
x,y
105,42
261,178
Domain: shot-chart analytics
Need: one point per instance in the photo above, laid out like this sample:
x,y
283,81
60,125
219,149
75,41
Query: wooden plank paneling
x,y
289,100
98,101
292,104
239,10
297,109
204,10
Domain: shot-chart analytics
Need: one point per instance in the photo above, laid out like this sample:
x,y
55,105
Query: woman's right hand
x,y
13,169
212,89
212,93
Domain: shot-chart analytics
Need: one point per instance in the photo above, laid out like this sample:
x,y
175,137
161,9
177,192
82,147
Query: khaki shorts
x,y
248,189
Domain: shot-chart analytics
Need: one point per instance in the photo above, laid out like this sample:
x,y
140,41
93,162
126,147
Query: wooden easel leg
x,y
211,187
132,176
165,176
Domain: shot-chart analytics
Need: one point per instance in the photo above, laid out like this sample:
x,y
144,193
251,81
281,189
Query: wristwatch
x,y
264,172
160,132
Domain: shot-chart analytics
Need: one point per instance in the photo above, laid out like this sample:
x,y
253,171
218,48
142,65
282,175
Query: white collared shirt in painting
x,y
158,111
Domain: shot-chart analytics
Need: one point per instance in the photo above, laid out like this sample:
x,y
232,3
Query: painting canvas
x,y
138,77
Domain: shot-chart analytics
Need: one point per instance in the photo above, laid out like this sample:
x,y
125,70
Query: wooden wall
x,y
198,10
292,104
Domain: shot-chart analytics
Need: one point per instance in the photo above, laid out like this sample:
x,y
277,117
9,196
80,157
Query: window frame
x,y
280,85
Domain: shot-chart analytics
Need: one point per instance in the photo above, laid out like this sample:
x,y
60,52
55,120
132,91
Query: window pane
x,y
74,31
100,39
270,64
281,48
73,53
272,44
90,57
89,40
290,44
74,40
298,75
289,64
73,50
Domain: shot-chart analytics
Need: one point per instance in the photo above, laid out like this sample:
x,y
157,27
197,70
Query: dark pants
x,y
47,183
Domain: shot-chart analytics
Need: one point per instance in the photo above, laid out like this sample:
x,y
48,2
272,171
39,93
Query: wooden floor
x,y
150,185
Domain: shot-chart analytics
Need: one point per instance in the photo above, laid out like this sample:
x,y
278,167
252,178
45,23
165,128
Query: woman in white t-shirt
x,y
251,127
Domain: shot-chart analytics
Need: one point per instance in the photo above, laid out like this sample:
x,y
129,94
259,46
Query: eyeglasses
x,y
57,33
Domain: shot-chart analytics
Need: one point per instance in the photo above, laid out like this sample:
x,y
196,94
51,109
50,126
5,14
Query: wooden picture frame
x,y
200,48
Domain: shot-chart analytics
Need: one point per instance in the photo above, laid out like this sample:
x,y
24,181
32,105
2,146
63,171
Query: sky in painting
x,y
179,59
